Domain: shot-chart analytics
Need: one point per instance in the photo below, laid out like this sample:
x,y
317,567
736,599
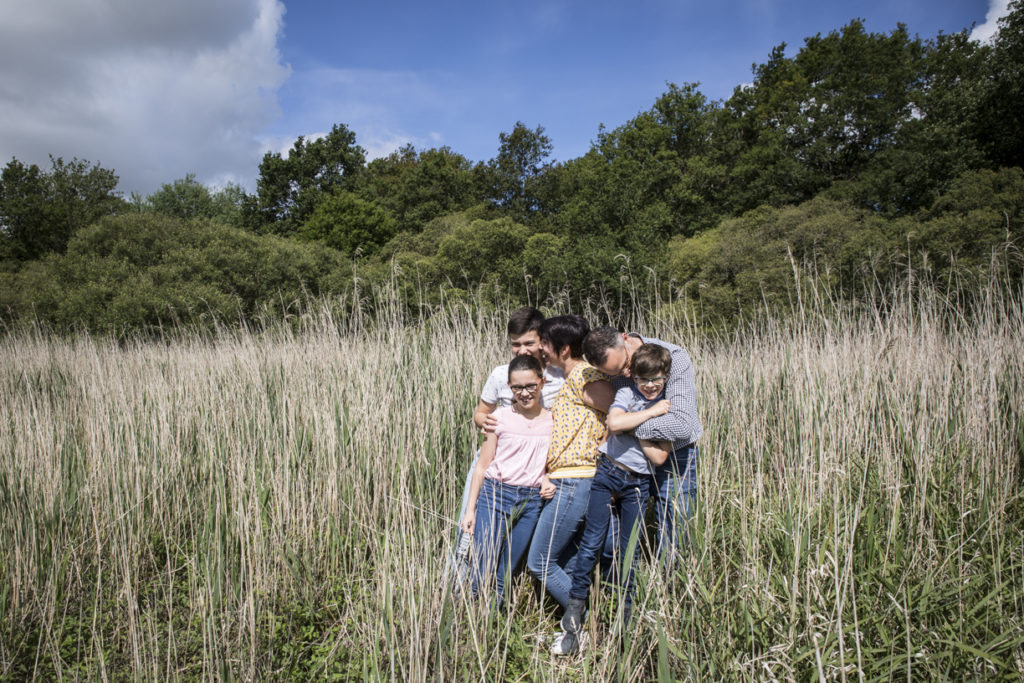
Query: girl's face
x,y
525,386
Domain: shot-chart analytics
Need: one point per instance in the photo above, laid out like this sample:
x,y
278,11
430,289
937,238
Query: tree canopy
x,y
41,210
855,153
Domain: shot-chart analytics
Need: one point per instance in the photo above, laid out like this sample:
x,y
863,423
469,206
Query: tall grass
x,y
280,504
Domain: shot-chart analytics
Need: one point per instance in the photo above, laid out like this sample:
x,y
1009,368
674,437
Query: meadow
x,y
279,504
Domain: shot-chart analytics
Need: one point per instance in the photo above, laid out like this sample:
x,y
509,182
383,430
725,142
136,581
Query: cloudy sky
x,y
157,90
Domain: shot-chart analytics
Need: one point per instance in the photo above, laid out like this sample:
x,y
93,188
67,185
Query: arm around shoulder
x,y
483,411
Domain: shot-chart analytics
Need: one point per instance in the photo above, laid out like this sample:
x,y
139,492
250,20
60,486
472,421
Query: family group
x,y
582,429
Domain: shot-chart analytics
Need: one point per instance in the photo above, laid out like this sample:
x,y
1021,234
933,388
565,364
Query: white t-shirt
x,y
497,393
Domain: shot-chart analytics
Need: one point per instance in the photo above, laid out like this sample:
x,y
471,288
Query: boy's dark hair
x,y
525,362
599,342
566,330
526,319
650,360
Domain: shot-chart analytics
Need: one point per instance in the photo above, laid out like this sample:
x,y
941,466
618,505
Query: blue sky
x,y
159,90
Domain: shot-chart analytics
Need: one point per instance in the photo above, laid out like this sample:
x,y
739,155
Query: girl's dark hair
x,y
650,360
566,330
526,362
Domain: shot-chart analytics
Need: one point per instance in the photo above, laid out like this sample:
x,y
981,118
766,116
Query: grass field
x,y
280,505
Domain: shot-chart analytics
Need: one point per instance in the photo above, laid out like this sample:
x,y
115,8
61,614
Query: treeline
x,y
862,155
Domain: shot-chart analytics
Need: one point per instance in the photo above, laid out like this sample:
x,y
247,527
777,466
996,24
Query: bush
x,y
142,272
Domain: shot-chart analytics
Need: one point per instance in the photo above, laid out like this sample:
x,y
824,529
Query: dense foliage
x,y
861,154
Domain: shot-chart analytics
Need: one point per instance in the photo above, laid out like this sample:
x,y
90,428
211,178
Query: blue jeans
x,y
674,491
505,518
615,492
556,538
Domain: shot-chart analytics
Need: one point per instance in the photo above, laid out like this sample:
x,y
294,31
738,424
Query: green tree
x,y
644,181
417,187
1001,101
184,198
824,117
290,188
229,204
40,211
348,223
979,217
484,251
511,177
859,93
753,138
936,143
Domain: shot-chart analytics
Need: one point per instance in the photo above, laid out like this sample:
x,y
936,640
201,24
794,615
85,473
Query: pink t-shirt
x,y
522,450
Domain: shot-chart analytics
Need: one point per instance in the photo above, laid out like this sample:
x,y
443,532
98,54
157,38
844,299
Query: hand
x,y
547,489
468,522
660,408
490,424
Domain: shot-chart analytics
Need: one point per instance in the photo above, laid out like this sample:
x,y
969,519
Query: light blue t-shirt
x,y
624,447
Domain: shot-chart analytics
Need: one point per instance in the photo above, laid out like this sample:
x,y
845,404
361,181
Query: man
x,y
524,339
674,486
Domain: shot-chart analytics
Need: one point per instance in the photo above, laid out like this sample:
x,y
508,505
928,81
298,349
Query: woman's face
x,y
550,357
525,386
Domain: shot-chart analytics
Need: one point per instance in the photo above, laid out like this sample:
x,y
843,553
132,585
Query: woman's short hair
x,y
566,330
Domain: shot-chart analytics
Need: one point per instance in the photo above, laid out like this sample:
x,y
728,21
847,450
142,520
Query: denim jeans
x,y
557,535
614,492
505,519
674,491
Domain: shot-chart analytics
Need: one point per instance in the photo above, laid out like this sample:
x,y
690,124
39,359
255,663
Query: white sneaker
x,y
570,643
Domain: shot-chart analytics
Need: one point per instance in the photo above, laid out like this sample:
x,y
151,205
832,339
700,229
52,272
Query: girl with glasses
x,y
509,481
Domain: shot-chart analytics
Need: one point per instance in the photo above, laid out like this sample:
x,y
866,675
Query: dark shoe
x,y
572,620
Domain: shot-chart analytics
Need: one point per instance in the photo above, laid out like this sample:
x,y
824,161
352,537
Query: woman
x,y
579,427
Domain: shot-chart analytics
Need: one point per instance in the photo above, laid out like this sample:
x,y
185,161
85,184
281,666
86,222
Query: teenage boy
x,y
621,487
674,486
523,339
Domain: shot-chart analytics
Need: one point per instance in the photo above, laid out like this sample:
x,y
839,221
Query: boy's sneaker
x,y
567,643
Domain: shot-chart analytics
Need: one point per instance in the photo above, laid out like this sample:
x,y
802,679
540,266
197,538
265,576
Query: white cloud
x,y
997,9
379,106
151,90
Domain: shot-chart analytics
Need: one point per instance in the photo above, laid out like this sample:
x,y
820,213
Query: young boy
x,y
622,474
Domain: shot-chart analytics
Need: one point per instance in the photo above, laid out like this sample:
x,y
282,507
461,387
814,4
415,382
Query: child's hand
x,y
660,408
468,522
547,489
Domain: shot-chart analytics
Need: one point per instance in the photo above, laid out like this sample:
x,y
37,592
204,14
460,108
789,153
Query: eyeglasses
x,y
523,388
653,381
